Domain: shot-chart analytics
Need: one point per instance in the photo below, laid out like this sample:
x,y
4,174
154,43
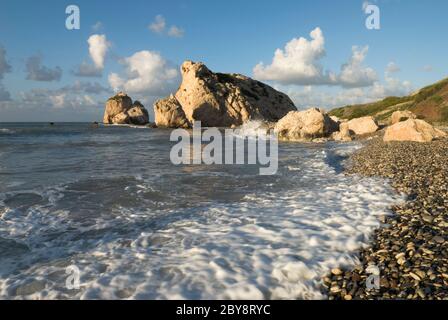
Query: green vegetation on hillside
x,y
430,103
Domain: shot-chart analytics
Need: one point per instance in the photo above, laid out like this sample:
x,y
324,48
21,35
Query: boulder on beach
x,y
223,100
412,130
344,133
399,116
169,113
363,125
121,110
305,125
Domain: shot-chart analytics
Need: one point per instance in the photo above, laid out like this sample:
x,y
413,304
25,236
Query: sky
x,y
319,52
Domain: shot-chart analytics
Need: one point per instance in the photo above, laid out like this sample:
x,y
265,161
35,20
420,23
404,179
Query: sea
x,y
100,212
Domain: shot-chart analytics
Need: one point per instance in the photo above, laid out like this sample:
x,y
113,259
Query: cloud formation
x,y
354,74
299,64
427,68
97,26
392,67
176,32
88,70
38,72
98,47
146,72
159,26
80,95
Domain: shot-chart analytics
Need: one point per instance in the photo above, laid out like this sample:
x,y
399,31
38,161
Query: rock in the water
x,y
169,113
412,130
223,100
120,110
305,125
399,116
363,125
117,104
138,114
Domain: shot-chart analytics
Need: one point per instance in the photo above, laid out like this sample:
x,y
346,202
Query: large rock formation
x,y
223,100
399,116
169,113
305,125
412,130
363,125
120,110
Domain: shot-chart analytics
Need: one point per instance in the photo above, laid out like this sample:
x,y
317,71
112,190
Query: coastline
x,y
410,248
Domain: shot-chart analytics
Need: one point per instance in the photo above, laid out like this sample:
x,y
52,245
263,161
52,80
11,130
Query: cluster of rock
x,y
229,100
315,124
219,100
121,110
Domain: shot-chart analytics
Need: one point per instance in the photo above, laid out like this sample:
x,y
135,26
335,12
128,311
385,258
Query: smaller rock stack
x,y
121,110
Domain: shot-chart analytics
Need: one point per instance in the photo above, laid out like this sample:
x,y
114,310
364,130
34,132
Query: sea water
x,y
108,201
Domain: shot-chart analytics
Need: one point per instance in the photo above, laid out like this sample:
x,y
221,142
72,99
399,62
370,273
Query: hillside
x,y
429,103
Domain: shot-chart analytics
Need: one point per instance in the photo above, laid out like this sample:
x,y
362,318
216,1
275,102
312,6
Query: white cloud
x,y
98,47
158,25
427,68
392,67
97,26
146,72
38,72
176,32
57,101
354,74
299,63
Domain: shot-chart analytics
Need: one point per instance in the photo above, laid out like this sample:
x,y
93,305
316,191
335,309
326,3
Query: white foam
x,y
7,131
253,128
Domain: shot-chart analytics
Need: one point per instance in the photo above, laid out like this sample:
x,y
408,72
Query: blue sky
x,y
39,79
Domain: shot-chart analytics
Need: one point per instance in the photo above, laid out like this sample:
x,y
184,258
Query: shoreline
x,y
410,248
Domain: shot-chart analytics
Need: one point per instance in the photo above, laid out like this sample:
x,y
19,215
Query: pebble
x,y
438,239
336,271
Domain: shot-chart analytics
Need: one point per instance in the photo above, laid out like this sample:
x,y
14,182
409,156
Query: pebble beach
x,y
410,249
